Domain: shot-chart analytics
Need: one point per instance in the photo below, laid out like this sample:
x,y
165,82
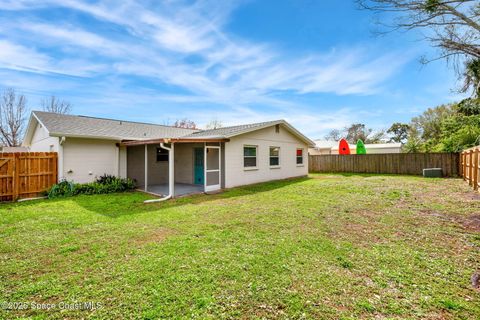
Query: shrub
x,y
62,189
106,179
103,184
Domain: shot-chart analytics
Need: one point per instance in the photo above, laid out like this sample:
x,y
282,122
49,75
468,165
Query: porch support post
x,y
204,167
171,170
146,167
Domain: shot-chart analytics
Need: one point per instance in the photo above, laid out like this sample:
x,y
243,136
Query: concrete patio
x,y
181,189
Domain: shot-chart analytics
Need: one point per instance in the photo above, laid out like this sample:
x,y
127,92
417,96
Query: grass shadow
x,y
116,205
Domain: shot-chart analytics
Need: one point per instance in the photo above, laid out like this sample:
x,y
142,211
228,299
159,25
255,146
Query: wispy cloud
x,y
185,46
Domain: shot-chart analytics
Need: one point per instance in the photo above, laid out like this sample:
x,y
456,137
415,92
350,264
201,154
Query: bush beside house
x,y
102,185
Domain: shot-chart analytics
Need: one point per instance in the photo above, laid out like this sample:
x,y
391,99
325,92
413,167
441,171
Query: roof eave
x,y
127,142
80,136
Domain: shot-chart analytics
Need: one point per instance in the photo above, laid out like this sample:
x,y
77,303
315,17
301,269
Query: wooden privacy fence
x,y
470,166
26,174
396,163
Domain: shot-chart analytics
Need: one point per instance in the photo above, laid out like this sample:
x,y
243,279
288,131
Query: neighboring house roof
x,y
375,146
328,144
82,126
89,127
325,144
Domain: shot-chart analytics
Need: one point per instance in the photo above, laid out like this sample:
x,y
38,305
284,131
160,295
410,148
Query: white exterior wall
x,y
42,142
86,159
122,172
237,175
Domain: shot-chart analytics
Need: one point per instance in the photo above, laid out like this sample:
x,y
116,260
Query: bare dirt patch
x,y
472,223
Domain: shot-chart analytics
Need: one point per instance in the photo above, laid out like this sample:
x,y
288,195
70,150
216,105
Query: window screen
x,y
274,156
250,156
299,156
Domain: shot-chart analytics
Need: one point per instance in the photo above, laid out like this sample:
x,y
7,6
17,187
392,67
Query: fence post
x,y
16,175
475,168
461,163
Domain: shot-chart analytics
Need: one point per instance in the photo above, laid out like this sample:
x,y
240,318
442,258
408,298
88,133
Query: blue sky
x,y
314,63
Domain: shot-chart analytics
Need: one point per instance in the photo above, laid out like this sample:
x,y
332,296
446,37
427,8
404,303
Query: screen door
x,y
212,168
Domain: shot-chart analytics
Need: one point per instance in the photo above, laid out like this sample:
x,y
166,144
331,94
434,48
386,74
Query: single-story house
x,y
331,147
165,160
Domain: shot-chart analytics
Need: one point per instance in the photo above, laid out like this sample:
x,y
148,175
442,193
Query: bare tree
x,y
185,123
214,124
452,26
334,135
53,104
12,117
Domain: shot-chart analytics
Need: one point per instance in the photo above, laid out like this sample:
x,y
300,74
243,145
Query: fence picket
x,y
26,174
395,163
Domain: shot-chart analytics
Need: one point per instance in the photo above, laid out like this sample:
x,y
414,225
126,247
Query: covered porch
x,y
180,189
168,168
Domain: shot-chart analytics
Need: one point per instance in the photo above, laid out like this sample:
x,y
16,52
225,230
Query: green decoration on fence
x,y
361,147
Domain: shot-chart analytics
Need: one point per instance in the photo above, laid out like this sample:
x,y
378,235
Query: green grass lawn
x,y
324,247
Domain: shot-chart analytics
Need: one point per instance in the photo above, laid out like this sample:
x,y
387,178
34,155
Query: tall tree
x,y
469,107
472,77
376,137
185,123
12,117
357,131
452,26
428,125
53,104
413,145
399,132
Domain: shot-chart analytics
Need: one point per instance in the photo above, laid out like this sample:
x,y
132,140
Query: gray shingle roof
x,y
82,126
226,132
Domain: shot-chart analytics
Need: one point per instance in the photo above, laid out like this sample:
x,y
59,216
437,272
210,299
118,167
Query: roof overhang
x,y
81,136
170,140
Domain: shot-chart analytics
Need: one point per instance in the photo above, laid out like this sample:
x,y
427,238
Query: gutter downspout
x,y
171,175
61,173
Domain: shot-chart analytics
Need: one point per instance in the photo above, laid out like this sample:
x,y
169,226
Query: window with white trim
x,y
274,156
250,156
299,156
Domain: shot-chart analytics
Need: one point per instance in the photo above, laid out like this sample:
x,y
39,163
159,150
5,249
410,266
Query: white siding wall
x,y
42,142
236,174
90,158
123,162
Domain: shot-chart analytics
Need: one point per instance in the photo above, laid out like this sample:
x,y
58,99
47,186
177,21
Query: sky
x,y
315,63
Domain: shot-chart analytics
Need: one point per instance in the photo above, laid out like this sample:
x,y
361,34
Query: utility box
x,y
432,173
